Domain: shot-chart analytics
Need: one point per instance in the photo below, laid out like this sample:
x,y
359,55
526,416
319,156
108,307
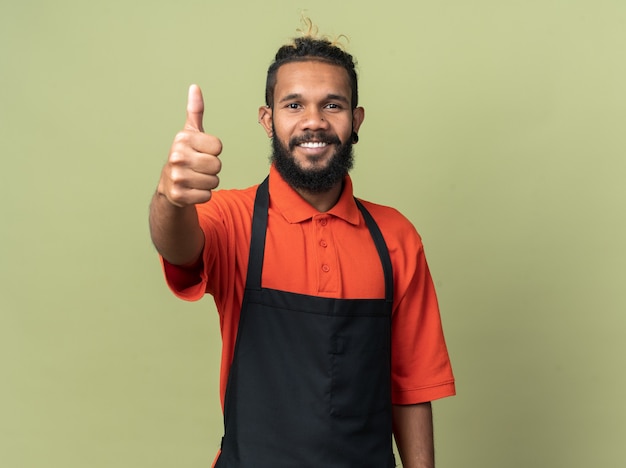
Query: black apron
x,y
310,382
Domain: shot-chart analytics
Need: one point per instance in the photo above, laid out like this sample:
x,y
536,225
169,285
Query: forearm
x,y
175,231
413,432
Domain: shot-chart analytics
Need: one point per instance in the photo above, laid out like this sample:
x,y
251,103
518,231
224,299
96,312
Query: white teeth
x,y
313,144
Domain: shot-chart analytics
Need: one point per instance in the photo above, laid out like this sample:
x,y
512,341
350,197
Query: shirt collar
x,y
296,209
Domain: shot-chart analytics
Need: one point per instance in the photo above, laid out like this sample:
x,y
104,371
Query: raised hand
x,y
190,173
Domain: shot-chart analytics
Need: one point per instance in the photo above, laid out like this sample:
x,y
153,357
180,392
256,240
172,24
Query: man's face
x,y
312,121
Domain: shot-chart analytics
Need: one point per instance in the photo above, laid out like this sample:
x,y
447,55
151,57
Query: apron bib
x,y
310,382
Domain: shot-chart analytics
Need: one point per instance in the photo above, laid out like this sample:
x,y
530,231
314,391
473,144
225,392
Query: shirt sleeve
x,y
421,369
185,282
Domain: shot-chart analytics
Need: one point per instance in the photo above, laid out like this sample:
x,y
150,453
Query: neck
x,y
323,201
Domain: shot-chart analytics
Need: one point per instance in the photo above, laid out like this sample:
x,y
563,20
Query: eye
x,y
293,105
333,106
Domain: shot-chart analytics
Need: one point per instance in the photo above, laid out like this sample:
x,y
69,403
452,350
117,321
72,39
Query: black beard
x,y
312,180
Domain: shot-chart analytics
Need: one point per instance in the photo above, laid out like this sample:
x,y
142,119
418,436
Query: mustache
x,y
322,137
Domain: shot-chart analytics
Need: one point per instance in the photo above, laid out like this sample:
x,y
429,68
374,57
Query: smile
x,y
313,144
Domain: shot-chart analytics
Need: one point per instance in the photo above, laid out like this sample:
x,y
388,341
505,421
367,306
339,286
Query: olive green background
x,y
497,127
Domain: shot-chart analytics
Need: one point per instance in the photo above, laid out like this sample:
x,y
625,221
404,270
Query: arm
x,y
413,431
186,180
175,231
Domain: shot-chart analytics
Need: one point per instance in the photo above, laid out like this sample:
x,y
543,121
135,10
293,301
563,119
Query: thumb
x,y
195,109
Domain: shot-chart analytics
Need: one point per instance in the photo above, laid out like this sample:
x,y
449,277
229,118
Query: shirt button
x,y
323,221
325,268
324,243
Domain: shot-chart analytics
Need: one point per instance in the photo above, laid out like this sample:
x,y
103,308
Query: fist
x,y
193,163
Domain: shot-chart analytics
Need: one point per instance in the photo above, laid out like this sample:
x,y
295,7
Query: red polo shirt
x,y
327,254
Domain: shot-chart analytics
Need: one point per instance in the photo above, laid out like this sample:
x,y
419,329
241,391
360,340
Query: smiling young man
x,y
332,338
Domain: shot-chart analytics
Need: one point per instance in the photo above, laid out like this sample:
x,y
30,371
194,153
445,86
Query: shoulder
x,y
245,195
225,202
392,223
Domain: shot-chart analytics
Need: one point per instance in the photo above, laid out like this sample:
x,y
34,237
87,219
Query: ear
x,y
358,115
265,119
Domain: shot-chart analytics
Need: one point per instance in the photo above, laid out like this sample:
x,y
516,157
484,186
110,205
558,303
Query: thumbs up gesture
x,y
193,164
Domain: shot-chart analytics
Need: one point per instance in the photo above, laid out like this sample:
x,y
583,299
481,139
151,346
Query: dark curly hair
x,y
304,49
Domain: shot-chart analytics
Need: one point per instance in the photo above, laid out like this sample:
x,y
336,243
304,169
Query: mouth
x,y
313,144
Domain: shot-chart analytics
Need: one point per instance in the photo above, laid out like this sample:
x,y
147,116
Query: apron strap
x,y
383,251
259,229
257,238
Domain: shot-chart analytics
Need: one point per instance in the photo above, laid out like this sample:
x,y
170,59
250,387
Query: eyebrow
x,y
330,97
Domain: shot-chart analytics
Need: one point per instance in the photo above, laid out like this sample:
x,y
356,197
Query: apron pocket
x,y
361,377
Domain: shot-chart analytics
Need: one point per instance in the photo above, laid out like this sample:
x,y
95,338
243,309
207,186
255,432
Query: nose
x,y
313,119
